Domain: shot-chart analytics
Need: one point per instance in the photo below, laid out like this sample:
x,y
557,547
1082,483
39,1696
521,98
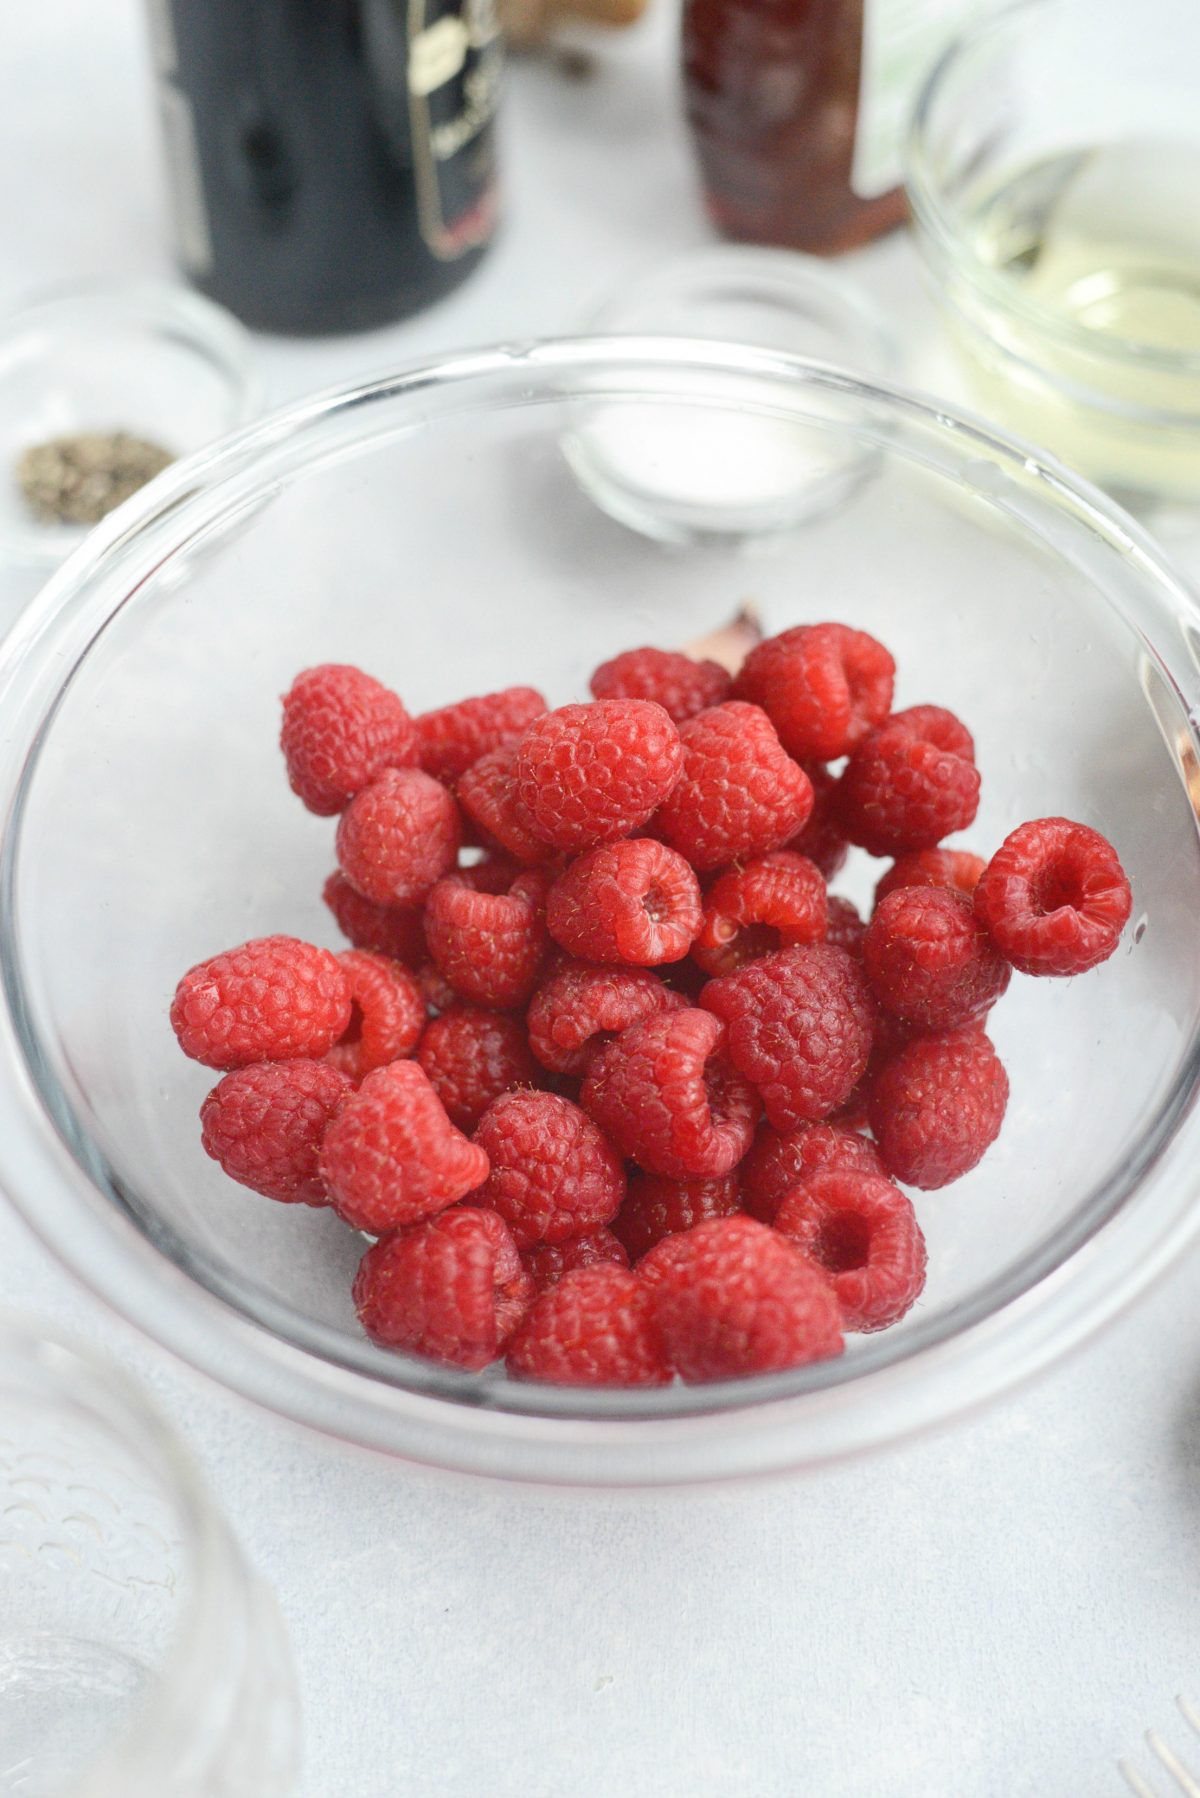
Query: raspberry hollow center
x,y
843,1242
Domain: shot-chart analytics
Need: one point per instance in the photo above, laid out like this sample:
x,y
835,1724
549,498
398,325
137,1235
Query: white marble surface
x,y
993,1613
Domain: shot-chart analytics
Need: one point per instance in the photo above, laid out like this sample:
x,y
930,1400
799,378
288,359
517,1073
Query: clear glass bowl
x,y
1052,170
428,526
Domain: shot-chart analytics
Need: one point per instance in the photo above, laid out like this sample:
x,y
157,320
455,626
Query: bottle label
x,y
455,61
901,40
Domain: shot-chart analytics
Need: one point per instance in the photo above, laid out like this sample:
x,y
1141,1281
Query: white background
x,y
994,1613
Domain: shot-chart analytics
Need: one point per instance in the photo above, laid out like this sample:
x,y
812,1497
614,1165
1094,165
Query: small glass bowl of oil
x,y
1054,180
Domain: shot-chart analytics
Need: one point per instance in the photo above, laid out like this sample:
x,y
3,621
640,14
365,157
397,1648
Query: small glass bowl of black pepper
x,y
101,387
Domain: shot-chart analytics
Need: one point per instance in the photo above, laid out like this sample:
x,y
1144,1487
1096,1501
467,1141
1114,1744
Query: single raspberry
x,y
594,1327
930,961
655,1207
910,784
392,930
471,1057
822,840
1054,898
272,999
265,1123
679,685
844,927
665,1093
340,730
398,836
452,1289
823,686
489,946
780,1160
587,774
455,736
554,1174
957,869
487,793
739,1299
801,1023
937,1106
770,903
391,1155
864,1232
739,794
635,901
547,1262
387,1014
580,1008
436,990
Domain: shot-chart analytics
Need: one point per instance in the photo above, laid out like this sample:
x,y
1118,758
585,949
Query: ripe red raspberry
x,y
451,739
272,999
594,1327
844,928
489,946
864,1232
778,1161
471,1057
387,1014
665,1093
392,930
938,1106
822,840
801,1023
554,1174
957,869
340,730
738,794
1054,897
910,784
391,1155
930,961
587,774
823,686
679,685
580,1008
636,901
547,1262
771,903
264,1125
487,793
398,836
738,1299
452,1289
655,1208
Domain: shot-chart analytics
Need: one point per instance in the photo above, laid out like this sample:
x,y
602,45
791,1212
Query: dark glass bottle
x,y
331,161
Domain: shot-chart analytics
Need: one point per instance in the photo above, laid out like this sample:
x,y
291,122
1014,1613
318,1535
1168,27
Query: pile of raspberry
x,y
619,1090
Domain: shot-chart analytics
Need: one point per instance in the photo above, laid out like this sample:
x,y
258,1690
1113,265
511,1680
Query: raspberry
x,y
398,836
665,1255
438,994
779,1161
738,794
823,686
655,1208
771,903
587,774
452,1289
594,1327
473,1056
1054,897
264,1124
487,793
547,1262
392,1157
392,930
387,1014
489,946
844,927
930,961
864,1232
554,1174
957,869
636,901
580,1008
822,840
679,685
800,1025
452,738
666,1095
273,999
738,1299
910,784
340,730
937,1106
